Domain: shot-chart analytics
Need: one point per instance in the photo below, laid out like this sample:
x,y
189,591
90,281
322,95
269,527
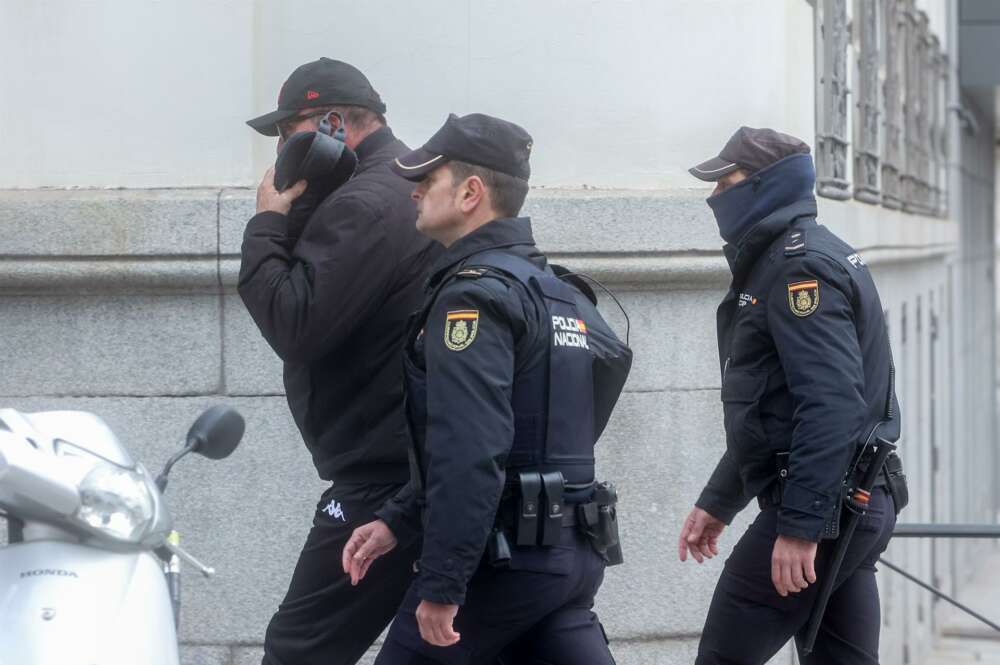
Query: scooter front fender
x,y
71,604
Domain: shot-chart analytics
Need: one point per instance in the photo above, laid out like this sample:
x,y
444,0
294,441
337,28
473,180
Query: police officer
x,y
807,381
501,377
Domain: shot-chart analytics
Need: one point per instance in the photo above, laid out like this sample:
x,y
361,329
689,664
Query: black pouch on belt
x,y
498,549
598,520
526,529
896,481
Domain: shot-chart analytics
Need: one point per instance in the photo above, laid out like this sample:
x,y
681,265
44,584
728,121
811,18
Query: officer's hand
x,y
367,543
793,564
700,536
270,199
435,622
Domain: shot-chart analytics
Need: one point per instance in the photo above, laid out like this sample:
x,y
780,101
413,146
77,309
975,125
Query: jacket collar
x,y
370,147
744,254
500,233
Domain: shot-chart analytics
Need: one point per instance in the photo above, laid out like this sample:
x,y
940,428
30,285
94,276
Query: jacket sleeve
x,y
723,496
401,514
308,294
470,431
817,345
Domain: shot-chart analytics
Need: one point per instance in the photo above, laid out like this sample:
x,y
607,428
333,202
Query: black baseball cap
x,y
749,149
476,139
323,82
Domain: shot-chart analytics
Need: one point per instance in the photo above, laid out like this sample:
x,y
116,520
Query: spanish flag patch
x,y
460,328
803,297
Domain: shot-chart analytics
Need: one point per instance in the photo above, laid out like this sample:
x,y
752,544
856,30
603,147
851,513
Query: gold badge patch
x,y
460,329
803,297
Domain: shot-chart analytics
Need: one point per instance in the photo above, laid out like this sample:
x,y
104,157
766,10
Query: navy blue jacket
x,y
466,404
804,354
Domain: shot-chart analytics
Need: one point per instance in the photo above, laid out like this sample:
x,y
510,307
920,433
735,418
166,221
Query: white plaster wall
x,y
617,93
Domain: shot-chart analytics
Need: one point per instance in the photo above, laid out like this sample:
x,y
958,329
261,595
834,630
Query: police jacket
x,y
332,301
804,355
478,382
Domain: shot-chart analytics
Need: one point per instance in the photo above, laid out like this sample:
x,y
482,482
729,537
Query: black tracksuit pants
x,y
323,620
748,622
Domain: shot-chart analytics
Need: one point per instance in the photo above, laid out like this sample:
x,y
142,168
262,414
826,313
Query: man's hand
x,y
269,199
367,543
435,622
793,564
700,536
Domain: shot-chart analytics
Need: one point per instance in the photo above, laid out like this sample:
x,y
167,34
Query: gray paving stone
x,y
251,366
247,655
147,222
236,207
568,220
94,345
206,655
678,651
84,276
621,221
672,335
252,656
660,449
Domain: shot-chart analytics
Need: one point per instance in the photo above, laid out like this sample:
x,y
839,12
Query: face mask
x,y
321,158
740,207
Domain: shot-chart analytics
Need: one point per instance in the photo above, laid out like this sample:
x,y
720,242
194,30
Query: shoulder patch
x,y
460,328
471,273
803,297
795,242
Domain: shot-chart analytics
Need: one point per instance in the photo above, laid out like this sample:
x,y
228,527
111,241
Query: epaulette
x,y
471,273
795,242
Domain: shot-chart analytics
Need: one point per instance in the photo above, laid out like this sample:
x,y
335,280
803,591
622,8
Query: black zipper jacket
x,y
805,361
333,302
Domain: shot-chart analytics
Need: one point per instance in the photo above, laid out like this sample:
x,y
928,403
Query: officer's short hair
x,y
507,193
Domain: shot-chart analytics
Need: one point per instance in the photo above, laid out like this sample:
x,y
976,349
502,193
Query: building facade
x,y
129,177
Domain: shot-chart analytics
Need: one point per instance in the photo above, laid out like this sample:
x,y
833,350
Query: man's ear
x,y
472,194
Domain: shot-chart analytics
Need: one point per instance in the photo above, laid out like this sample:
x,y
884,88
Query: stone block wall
x,y
123,303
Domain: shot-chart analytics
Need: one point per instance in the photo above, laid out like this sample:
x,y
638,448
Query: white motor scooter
x,y
91,573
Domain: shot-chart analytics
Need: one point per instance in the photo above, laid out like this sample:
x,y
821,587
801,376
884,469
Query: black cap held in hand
x,y
751,150
323,82
475,139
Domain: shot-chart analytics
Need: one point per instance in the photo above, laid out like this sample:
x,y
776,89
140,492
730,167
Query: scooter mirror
x,y
216,433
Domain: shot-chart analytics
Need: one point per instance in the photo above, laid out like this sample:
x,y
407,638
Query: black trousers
x,y
323,620
539,612
748,622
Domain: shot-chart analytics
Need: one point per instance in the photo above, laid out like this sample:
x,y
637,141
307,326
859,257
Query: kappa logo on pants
x,y
334,510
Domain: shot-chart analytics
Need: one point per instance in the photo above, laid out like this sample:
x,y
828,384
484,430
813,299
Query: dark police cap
x,y
476,139
323,82
751,150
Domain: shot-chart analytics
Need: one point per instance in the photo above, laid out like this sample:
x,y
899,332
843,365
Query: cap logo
x,y
312,94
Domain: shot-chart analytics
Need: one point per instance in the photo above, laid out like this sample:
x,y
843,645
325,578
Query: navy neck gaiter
x,y
739,208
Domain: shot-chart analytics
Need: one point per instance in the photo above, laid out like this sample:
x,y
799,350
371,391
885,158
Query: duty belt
x,y
534,511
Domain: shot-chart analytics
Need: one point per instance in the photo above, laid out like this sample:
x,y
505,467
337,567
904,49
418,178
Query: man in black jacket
x,y
807,381
332,297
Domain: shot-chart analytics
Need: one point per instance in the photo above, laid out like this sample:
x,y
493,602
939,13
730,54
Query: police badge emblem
x,y
460,329
803,297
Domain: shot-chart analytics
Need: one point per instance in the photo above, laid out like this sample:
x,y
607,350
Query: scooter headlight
x,y
116,503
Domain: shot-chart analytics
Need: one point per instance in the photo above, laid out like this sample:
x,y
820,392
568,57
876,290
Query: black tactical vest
x,y
562,407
